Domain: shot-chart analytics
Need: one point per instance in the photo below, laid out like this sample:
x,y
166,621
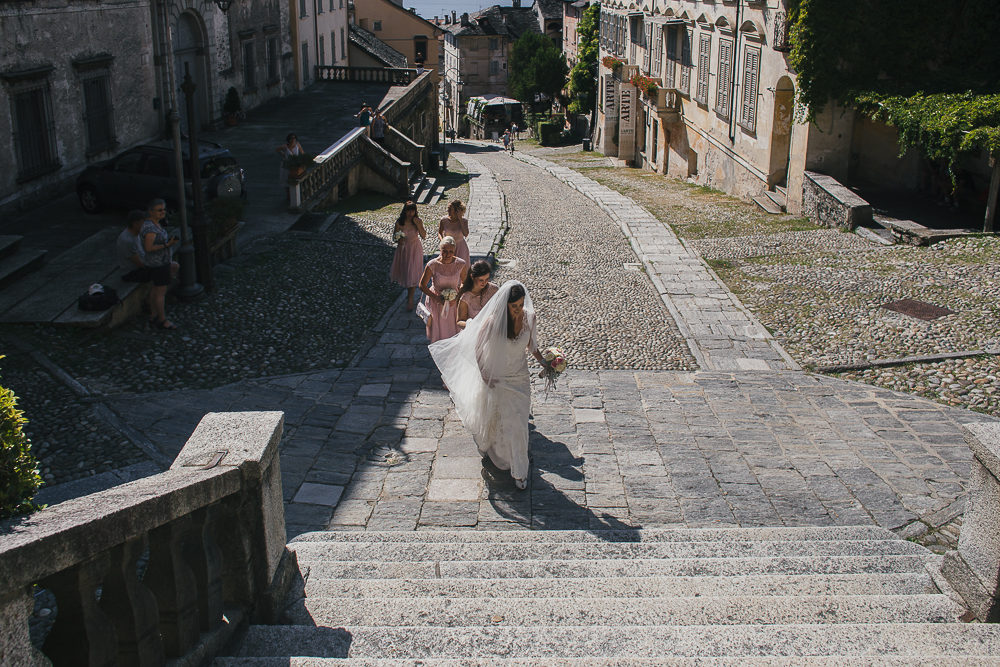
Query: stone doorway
x,y
781,133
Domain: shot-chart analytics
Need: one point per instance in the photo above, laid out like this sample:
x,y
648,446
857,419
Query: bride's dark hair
x,y
516,292
479,268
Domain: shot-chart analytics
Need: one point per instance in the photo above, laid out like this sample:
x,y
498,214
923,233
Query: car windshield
x,y
213,166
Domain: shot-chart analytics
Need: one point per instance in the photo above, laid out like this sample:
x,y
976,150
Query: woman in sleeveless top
x,y
446,271
457,227
476,292
408,262
286,150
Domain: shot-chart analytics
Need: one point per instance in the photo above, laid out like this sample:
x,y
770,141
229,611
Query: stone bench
x,y
131,296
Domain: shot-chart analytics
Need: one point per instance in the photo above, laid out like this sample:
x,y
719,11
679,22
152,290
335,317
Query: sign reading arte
x,y
626,120
610,109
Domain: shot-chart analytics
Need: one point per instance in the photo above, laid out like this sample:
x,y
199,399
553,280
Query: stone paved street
x,y
378,446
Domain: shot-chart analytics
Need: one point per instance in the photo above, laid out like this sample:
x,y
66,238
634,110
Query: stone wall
x,y
64,43
826,202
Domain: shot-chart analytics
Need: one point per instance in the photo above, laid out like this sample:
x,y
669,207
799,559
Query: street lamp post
x,y
203,259
453,101
189,289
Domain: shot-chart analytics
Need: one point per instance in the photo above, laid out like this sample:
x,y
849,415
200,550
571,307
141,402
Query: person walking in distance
x,y
286,150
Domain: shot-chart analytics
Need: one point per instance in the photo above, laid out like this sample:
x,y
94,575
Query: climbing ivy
x,y
583,76
931,69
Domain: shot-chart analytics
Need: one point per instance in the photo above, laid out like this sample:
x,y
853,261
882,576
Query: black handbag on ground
x,y
98,300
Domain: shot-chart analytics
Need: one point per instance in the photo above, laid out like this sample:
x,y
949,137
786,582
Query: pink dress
x,y
449,228
408,262
475,302
442,319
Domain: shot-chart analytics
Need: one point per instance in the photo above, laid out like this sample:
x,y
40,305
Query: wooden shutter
x,y
725,76
686,36
647,39
704,57
751,70
658,53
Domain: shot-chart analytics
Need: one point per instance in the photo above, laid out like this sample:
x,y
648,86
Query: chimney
x,y
465,19
517,4
453,18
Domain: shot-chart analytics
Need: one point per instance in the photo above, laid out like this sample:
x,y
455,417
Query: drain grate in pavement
x,y
918,309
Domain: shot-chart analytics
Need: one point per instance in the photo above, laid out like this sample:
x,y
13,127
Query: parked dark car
x,y
146,172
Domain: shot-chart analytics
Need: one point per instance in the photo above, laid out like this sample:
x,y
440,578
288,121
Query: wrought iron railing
x,y
782,33
391,75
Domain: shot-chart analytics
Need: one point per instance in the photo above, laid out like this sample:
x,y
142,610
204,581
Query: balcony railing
x,y
782,33
668,104
391,75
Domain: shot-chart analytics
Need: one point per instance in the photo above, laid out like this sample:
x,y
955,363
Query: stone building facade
x,y
724,115
403,30
77,85
319,36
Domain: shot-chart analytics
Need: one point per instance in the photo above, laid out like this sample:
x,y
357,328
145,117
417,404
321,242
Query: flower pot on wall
x,y
231,121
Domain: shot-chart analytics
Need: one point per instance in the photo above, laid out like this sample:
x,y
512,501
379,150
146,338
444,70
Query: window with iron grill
x,y
751,74
725,76
704,57
34,130
97,111
272,58
782,30
249,66
686,37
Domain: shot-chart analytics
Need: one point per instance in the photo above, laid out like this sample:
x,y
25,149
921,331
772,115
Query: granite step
x,y
9,244
402,552
778,198
892,584
775,534
676,567
675,611
426,190
766,204
919,640
20,264
798,661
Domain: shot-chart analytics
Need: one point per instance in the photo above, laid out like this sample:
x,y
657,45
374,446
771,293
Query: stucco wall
x,y
399,27
56,33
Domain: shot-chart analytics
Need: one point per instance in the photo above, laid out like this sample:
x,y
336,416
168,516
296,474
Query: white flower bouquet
x,y
555,365
449,294
398,237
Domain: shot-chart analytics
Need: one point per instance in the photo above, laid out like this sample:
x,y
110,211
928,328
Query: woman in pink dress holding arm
x,y
457,227
444,272
408,262
476,292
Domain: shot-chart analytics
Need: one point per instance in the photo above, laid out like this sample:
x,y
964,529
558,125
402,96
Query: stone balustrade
x,y
391,75
668,104
214,531
973,570
327,170
407,149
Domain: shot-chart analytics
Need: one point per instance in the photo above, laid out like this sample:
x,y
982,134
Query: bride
x,y
486,371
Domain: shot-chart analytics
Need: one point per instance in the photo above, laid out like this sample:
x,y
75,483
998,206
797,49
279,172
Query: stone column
x,y
974,569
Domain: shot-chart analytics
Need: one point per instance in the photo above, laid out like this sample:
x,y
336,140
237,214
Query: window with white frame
x,y
97,110
751,75
725,77
34,128
704,58
686,36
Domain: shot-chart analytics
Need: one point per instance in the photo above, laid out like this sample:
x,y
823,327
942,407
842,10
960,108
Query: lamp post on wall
x,y
203,259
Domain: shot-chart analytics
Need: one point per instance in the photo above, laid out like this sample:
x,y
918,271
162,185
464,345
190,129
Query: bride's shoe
x,y
521,483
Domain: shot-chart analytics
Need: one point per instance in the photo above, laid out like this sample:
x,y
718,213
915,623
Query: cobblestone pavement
x,y
820,291
721,333
379,447
592,298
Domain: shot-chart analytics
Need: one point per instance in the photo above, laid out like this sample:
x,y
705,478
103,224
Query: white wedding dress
x,y
487,376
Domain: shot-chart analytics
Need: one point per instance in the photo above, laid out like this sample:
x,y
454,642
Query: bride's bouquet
x,y
398,236
555,365
448,294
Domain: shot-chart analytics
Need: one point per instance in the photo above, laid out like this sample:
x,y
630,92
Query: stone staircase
x,y
422,189
773,202
16,263
623,598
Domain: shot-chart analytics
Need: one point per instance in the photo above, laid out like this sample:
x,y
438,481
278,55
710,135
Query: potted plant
x,y
224,215
297,164
611,62
645,84
232,109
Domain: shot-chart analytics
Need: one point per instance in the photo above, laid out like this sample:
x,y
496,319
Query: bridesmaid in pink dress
x,y
477,290
408,262
457,227
444,271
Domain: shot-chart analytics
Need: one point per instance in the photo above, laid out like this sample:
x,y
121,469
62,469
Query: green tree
x,y
19,478
535,66
583,76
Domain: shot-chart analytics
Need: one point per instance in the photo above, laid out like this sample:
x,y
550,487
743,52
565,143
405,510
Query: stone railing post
x,y
974,569
82,636
257,566
174,585
132,607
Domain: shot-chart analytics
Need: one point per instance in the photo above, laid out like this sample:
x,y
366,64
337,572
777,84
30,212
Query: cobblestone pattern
x,y
592,299
487,211
721,333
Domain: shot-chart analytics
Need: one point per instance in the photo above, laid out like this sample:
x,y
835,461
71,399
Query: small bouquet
x,y
555,364
448,294
399,236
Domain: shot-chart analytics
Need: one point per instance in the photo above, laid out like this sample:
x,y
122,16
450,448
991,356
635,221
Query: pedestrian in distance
x,y
477,290
443,277
506,140
408,262
157,256
486,372
364,117
456,225
379,126
289,148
